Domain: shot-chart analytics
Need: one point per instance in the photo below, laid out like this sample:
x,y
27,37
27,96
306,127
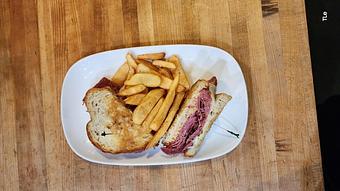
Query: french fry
x,y
158,120
165,72
122,88
142,61
131,90
146,105
145,91
167,122
147,64
131,61
164,64
142,68
120,76
134,99
152,56
183,79
180,88
131,72
166,82
152,114
147,79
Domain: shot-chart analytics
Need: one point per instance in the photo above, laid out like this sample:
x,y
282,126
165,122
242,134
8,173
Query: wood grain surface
x,y
41,39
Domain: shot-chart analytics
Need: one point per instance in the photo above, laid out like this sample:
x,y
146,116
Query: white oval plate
x,y
200,62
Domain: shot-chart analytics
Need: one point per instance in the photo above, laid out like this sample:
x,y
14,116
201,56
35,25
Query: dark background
x,y
324,39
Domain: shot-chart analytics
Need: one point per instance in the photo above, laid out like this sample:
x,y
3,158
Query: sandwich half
x,y
111,128
195,118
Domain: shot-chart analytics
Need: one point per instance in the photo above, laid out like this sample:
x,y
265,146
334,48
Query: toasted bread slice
x,y
111,128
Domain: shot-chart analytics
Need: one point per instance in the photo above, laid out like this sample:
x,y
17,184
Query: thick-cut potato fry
x,y
167,122
122,88
147,64
156,123
131,72
131,90
165,72
131,61
146,105
121,74
147,79
142,68
134,99
142,61
152,114
145,91
164,64
166,82
180,88
152,56
183,79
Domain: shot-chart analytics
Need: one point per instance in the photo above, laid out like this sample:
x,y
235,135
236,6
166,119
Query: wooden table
x,y
40,40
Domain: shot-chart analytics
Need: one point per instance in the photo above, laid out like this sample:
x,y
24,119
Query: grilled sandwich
x,y
111,128
195,118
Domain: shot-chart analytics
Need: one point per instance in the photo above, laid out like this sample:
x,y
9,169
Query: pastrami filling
x,y
193,126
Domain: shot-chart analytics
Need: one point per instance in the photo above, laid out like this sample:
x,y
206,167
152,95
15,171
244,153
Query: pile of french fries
x,y
156,86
